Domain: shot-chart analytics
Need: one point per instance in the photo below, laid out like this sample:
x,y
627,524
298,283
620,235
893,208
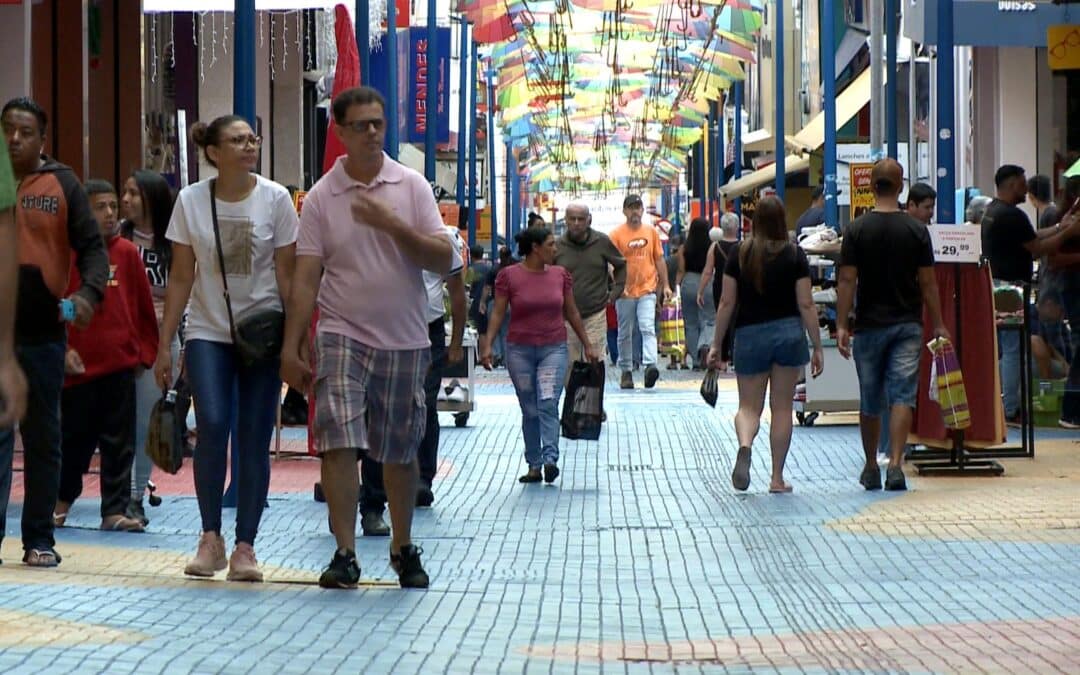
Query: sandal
x,y
120,523
41,557
784,488
740,475
59,519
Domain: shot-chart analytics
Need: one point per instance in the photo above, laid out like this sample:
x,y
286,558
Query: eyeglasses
x,y
1072,39
244,141
361,126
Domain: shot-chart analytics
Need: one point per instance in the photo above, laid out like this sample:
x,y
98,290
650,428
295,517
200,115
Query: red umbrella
x,y
346,76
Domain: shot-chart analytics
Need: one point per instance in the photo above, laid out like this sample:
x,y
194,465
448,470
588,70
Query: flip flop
x,y
780,490
122,524
59,519
740,475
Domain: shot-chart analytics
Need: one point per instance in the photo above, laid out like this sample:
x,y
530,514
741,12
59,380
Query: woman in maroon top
x,y
541,297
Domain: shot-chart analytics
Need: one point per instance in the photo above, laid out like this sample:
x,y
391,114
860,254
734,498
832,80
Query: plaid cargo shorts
x,y
370,399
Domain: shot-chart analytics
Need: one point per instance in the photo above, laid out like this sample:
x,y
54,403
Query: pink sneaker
x,y
209,558
242,564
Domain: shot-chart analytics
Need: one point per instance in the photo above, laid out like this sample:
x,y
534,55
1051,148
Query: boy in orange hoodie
x,y
98,401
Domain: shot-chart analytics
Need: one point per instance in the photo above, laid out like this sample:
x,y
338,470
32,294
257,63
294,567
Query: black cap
x,y
631,200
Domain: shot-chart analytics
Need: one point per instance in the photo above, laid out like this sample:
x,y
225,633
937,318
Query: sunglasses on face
x,y
361,126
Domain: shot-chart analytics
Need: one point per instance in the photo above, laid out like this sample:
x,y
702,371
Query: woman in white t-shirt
x,y
258,227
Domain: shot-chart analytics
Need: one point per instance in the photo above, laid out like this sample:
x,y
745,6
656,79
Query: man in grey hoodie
x,y
599,274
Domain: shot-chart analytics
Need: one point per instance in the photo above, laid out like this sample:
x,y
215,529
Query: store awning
x,y
851,100
759,140
764,176
849,47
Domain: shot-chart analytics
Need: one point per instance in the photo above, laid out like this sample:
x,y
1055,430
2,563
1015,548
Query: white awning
x,y
764,176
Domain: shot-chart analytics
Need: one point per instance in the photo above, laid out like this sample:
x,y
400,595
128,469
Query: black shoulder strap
x,y
221,256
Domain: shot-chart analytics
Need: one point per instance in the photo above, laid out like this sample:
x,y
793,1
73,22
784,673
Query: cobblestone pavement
x,y
640,559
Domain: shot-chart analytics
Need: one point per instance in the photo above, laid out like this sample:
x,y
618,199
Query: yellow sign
x,y
483,225
1063,47
862,192
298,200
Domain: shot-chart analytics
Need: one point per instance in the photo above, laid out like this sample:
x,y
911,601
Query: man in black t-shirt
x,y
887,269
1011,244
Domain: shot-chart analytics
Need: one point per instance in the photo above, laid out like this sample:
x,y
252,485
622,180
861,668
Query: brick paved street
x,y
641,559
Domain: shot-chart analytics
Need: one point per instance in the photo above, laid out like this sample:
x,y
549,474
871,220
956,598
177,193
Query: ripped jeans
x,y
538,373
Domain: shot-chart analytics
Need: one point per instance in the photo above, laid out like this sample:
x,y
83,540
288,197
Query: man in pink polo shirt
x,y
368,230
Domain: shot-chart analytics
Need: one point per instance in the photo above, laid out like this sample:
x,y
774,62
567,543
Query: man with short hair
x,y
54,221
598,271
1011,244
369,228
813,216
1042,198
646,274
887,261
921,200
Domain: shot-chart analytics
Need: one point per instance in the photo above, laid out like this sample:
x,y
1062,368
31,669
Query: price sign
x,y
956,243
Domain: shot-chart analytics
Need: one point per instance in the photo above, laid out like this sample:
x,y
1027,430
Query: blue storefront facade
x,y
1010,106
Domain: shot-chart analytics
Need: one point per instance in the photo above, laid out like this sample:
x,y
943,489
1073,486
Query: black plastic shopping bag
x,y
708,387
583,407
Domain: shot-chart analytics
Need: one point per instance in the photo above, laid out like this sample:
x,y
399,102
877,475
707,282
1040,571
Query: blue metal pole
x,y
392,132
713,163
892,30
828,77
431,113
720,156
778,85
363,40
738,147
492,205
699,169
946,143
463,119
472,144
676,221
511,203
244,60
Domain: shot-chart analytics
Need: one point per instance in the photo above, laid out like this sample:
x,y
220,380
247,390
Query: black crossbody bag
x,y
258,336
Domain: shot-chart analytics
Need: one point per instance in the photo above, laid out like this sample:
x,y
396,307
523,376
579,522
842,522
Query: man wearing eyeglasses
x,y
368,230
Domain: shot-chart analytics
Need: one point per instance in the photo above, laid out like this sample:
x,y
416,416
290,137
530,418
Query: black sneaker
x,y
871,478
410,572
135,511
424,496
551,472
342,572
652,374
627,381
894,479
373,525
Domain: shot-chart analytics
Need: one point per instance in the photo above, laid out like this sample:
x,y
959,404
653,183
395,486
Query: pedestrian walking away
x,y
886,275
768,278
700,317
233,250
646,275
542,298
369,228
54,222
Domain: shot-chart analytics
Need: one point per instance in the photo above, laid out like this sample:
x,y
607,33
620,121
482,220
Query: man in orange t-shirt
x,y
646,271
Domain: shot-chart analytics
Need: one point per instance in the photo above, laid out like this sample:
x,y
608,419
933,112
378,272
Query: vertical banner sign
x,y
427,69
862,193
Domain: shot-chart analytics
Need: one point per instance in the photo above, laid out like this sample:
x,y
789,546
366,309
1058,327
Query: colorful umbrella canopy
x,y
606,94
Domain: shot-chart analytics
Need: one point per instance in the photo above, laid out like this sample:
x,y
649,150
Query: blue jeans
x,y
640,313
218,380
40,429
887,363
1009,365
700,321
538,374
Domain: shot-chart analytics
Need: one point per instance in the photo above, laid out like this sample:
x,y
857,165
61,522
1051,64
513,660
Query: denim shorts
x,y
760,346
887,362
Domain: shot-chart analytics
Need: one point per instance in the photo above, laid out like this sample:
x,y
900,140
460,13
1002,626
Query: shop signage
x,y
862,192
1063,47
956,243
1014,6
427,69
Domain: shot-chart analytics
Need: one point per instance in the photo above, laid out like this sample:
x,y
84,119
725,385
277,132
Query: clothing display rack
x,y
959,459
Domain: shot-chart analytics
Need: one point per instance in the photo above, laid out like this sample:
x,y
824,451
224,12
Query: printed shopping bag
x,y
947,385
583,406
672,329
